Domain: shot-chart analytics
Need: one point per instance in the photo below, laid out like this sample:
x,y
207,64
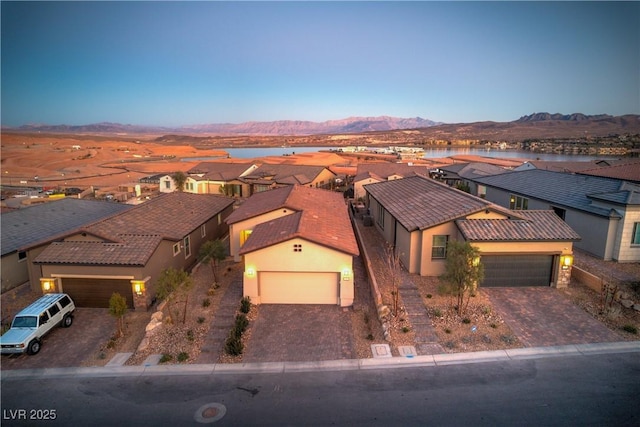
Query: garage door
x,y
517,270
90,292
298,288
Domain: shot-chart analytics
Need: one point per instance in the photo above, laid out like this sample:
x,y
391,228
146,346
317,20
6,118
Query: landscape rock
x,y
157,316
636,306
626,303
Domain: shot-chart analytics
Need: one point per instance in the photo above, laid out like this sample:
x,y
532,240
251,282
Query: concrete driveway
x,y
69,347
296,332
542,316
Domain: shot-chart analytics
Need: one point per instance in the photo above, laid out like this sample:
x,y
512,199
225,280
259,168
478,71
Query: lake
x,y
429,153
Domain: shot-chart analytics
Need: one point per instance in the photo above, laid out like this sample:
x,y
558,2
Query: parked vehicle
x,y
35,321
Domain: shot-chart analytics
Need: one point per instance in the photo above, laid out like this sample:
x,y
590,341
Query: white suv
x,y
34,321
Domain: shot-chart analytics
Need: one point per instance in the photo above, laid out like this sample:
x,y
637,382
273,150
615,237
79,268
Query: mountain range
x,y
534,125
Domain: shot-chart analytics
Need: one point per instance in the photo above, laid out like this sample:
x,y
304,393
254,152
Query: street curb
x,y
327,365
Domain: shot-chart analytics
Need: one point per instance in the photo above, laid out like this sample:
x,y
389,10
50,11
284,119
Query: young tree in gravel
x,y
463,272
118,308
180,179
171,286
213,251
393,262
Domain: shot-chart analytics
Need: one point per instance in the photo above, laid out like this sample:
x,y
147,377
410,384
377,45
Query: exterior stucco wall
x,y
358,190
429,266
323,180
408,248
14,271
624,251
313,258
382,220
237,228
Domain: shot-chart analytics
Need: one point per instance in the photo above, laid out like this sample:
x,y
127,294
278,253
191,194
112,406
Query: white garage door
x,y
298,288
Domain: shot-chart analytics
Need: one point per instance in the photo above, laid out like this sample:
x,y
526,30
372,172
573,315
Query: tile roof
x,y
171,215
215,171
285,173
320,216
129,250
24,227
561,189
382,171
419,203
627,170
536,225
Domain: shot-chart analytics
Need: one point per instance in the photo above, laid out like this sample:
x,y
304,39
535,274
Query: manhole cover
x,y
210,413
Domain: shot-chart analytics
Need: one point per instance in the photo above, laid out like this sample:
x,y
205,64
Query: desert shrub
x,y
429,296
493,325
206,302
508,339
211,292
370,337
166,358
437,312
466,320
447,331
450,345
245,305
240,325
631,329
190,335
405,329
183,356
233,345
201,320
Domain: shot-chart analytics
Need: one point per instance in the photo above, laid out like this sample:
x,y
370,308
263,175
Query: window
x,y
560,212
244,235
167,184
439,247
203,230
187,247
176,249
65,301
219,219
22,256
518,203
53,310
44,318
635,238
380,217
297,247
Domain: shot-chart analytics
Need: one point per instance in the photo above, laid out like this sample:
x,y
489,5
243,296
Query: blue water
x,y
429,153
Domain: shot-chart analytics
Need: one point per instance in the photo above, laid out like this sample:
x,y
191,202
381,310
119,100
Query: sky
x,y
186,63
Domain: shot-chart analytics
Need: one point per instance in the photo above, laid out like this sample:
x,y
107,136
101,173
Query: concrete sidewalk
x,y
434,360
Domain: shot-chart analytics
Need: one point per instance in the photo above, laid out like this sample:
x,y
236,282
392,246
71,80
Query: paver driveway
x,y
299,332
542,316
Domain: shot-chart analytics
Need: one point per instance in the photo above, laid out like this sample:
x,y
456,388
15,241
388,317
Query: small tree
x,y
393,262
213,251
180,179
118,308
173,284
463,272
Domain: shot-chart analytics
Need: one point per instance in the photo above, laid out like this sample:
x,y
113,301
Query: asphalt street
x,y
595,389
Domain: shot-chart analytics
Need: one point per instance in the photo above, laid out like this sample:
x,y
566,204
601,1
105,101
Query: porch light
x,y
251,272
346,274
476,261
47,285
566,261
138,286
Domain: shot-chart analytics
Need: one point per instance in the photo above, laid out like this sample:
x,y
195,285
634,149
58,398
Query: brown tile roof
x,y
285,173
130,250
629,171
382,171
535,225
171,215
215,171
419,203
320,216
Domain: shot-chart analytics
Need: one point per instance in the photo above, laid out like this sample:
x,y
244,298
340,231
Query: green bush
x,y
437,312
631,329
233,346
405,329
166,358
183,356
240,325
245,305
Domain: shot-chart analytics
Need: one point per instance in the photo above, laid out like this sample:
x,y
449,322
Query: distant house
x,y
418,216
604,211
298,246
269,176
219,178
369,173
127,252
23,227
462,174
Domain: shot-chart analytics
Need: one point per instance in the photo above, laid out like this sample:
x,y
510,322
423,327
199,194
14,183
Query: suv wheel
x,y
34,347
67,321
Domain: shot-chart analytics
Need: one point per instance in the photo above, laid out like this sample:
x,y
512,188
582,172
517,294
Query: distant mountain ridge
x,y
280,127
576,117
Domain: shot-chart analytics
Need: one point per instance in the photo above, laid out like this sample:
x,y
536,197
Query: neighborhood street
x,y
597,389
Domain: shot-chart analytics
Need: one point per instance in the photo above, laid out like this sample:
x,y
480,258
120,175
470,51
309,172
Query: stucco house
x,y
463,174
269,176
298,247
604,211
369,173
219,178
23,227
419,216
127,252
